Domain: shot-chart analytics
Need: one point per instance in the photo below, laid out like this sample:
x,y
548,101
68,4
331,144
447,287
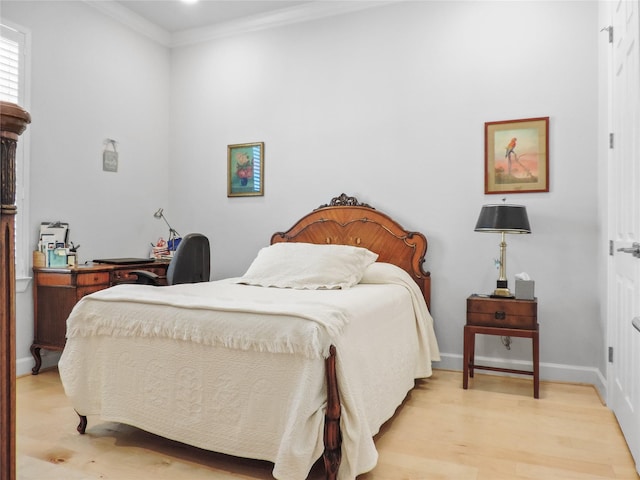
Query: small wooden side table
x,y
506,317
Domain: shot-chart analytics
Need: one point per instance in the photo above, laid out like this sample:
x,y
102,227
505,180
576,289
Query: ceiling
x,y
175,16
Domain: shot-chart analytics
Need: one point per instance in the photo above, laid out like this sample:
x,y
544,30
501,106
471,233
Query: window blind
x,y
14,59
9,64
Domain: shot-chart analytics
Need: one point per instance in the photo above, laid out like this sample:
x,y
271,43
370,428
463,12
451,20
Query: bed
x,y
304,356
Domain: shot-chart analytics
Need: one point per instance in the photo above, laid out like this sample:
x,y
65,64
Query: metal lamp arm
x,y
172,231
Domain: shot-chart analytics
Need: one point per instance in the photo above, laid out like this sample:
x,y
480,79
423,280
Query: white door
x,y
624,216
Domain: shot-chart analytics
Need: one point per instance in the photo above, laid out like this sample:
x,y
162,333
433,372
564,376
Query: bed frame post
x,y
332,436
82,426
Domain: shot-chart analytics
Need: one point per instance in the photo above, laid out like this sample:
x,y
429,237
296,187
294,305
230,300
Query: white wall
x,y
386,104
92,79
389,105
604,155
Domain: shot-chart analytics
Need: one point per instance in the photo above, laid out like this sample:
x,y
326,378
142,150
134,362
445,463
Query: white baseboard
x,y
25,364
449,361
548,371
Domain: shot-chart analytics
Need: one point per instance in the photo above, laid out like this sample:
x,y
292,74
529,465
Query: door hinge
x,y
611,140
611,248
610,354
609,29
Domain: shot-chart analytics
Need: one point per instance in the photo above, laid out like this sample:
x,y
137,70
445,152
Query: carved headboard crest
x,y
344,201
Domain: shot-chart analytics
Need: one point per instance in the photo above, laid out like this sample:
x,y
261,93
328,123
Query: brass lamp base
x,y
502,290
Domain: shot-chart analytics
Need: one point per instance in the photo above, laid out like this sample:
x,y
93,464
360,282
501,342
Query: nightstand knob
x,y
500,315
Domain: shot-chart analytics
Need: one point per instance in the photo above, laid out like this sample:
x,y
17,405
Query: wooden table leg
x,y
536,365
467,355
468,359
472,350
35,352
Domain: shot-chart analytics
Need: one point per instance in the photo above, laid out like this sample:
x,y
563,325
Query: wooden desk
x,y
57,290
505,317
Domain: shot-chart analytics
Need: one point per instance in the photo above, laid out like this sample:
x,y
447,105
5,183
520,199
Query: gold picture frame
x,y
516,156
245,169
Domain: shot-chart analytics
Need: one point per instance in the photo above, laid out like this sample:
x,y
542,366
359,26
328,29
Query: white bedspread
x,y
207,313
168,360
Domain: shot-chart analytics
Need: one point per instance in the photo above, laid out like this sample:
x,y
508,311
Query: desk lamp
x,y
174,237
503,219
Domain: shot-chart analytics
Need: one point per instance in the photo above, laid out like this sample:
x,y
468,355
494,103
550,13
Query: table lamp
x,y
174,237
503,219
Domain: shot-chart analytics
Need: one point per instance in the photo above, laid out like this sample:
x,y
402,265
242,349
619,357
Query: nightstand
x,y
507,317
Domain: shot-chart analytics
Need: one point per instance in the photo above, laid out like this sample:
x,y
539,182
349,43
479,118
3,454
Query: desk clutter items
x,y
160,249
54,248
165,249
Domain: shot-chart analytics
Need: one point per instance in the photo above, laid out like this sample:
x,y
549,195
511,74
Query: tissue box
x,y
524,289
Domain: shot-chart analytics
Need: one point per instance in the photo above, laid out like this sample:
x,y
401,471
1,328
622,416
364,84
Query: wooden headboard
x,y
346,221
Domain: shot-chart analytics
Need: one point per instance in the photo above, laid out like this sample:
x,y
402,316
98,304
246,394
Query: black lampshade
x,y
503,218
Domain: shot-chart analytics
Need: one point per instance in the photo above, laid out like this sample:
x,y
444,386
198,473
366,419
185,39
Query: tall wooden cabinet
x,y
13,121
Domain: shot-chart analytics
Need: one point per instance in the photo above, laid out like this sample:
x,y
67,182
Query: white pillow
x,y
308,266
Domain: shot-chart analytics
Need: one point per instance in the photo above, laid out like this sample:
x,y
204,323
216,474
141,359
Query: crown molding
x,y
302,13
132,20
286,16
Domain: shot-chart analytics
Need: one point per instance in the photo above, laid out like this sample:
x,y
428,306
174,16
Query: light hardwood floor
x,y
495,430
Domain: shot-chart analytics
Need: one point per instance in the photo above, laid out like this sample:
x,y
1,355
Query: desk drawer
x,y
53,279
492,312
93,278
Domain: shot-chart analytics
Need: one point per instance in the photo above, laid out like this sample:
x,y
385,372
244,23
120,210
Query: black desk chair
x,y
190,263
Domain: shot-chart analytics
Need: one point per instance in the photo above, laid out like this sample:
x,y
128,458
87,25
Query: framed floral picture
x,y
516,156
245,169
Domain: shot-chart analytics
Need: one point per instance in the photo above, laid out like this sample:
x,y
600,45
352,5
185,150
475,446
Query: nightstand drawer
x,y
510,313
